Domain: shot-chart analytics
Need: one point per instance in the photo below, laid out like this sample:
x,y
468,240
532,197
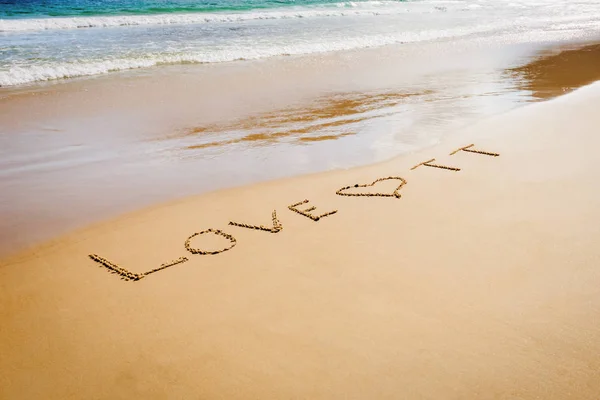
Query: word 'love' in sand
x,y
302,208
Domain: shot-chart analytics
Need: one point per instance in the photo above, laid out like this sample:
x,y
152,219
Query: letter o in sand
x,y
216,232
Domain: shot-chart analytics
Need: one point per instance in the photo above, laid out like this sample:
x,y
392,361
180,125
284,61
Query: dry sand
x,y
482,283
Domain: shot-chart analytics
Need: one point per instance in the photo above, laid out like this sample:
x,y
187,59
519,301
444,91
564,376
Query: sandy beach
x,y
478,283
300,199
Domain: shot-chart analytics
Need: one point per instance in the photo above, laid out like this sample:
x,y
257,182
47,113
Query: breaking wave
x,y
20,75
332,10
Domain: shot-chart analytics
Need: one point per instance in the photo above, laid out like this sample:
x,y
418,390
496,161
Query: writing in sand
x,y
302,208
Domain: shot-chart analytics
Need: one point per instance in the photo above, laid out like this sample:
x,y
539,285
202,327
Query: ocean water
x,y
45,40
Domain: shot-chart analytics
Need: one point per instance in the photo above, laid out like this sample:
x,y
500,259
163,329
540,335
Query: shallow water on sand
x,y
79,152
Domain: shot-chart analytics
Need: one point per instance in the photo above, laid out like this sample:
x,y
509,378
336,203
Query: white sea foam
x,y
45,72
40,50
334,10
17,75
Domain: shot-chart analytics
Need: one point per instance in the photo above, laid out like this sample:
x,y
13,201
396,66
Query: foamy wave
x,y
18,75
529,27
334,10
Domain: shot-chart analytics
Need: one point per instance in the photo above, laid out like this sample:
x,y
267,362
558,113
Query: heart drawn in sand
x,y
395,193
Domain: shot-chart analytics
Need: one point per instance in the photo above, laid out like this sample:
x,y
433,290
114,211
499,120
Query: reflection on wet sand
x,y
337,116
268,138
324,137
555,73
308,124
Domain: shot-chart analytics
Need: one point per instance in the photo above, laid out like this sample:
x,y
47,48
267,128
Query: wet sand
x,y
559,70
478,283
79,152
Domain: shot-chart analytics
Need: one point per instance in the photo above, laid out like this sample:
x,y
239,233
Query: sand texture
x,y
481,281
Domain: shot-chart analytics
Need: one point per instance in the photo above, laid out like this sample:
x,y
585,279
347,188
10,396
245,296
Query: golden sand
x,y
481,282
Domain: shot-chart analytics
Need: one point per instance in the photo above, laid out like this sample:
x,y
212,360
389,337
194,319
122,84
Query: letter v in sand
x,y
275,229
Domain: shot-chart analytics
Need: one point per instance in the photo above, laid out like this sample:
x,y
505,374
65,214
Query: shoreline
x,y
162,70
206,197
478,283
57,171
121,219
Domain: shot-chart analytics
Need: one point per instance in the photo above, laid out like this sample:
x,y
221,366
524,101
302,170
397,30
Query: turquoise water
x,y
45,40
74,8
